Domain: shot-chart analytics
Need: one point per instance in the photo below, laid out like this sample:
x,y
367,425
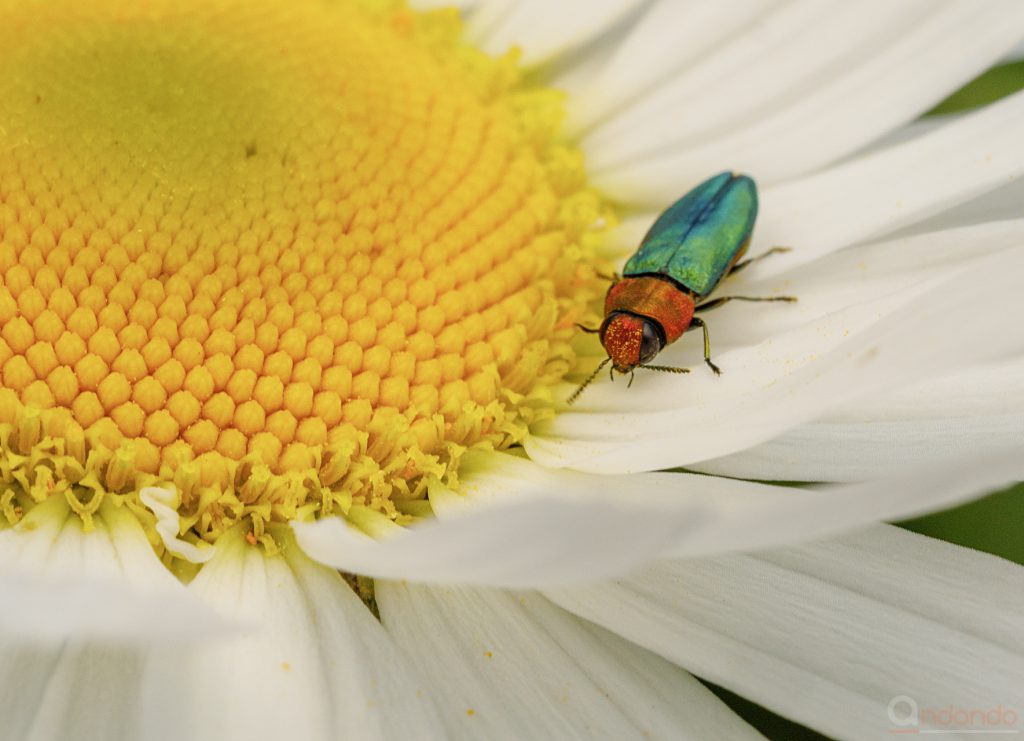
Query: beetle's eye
x,y
650,345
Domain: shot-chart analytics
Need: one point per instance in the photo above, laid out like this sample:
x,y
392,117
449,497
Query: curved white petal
x,y
515,666
1015,53
879,78
312,662
794,377
544,30
58,581
964,172
73,691
164,502
962,414
518,525
876,194
1001,204
669,37
434,4
830,633
79,611
754,71
855,276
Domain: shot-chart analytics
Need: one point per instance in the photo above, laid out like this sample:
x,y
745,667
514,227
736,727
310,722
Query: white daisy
x,y
288,299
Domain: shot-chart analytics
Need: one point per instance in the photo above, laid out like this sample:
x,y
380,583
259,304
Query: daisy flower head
x,y
289,299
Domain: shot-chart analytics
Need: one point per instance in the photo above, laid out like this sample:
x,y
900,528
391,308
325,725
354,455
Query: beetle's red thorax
x,y
654,298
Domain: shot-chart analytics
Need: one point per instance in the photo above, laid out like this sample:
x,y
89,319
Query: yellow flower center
x,y
286,258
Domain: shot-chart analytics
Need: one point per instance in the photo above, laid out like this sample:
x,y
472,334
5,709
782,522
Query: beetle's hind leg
x,y
698,322
773,251
716,302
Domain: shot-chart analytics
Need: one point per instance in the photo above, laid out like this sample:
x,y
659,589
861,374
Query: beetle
x,y
692,246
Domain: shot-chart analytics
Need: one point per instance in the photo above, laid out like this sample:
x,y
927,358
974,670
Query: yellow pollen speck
x,y
285,258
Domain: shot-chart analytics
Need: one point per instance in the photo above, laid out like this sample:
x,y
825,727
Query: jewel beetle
x,y
692,246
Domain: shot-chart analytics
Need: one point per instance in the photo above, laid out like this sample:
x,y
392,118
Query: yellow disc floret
x,y
281,257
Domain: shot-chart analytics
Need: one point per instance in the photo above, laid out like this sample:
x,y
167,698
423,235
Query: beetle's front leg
x,y
698,322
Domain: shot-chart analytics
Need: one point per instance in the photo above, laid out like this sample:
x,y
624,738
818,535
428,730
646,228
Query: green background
x,y
991,524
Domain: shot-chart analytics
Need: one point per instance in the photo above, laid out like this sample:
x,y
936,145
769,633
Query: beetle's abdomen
x,y
655,299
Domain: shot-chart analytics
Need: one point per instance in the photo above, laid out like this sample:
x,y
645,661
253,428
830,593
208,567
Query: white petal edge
x,y
59,582
667,38
436,4
792,378
544,30
997,205
516,666
313,662
795,51
829,121
517,525
855,276
164,502
830,633
962,414
873,195
85,692
920,183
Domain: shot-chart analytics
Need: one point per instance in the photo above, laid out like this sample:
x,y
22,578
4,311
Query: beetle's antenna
x,y
591,377
665,368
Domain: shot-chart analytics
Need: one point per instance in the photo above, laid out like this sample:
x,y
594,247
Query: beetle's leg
x,y
773,251
632,374
588,330
716,302
614,277
698,322
665,368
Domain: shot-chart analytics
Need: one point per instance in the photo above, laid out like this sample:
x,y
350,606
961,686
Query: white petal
x,y
313,663
669,37
164,502
434,4
796,376
961,414
855,276
997,205
519,525
79,609
904,67
544,30
830,633
69,692
1015,53
515,666
59,582
904,184
752,71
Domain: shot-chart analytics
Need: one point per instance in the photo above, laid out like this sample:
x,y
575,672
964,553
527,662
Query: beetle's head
x,y
630,340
